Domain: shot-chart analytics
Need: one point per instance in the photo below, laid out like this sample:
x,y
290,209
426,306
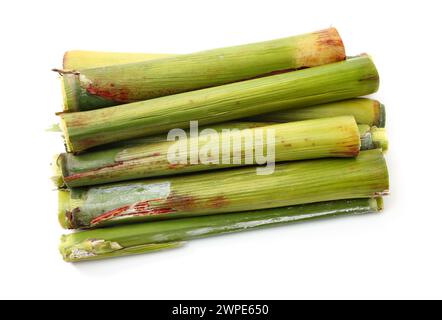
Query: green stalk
x,y
79,59
225,191
365,111
147,237
332,82
309,139
89,89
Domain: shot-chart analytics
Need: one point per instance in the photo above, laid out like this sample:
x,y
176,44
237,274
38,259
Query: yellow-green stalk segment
x,y
81,59
333,82
309,139
366,111
147,237
124,83
225,191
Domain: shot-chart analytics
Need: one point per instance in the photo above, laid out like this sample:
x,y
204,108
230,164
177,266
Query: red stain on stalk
x,y
174,203
111,93
142,208
109,215
92,173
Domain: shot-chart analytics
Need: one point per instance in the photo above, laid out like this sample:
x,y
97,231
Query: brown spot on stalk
x,y
376,111
86,143
70,218
176,165
352,151
218,202
374,77
181,202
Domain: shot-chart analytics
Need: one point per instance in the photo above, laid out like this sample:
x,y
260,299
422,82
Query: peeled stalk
x,y
224,191
148,237
309,139
80,59
94,88
366,111
373,138
333,82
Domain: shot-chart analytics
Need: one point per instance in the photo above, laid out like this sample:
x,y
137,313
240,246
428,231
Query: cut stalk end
x,y
64,208
373,138
57,172
380,139
70,83
94,249
67,141
382,116
377,204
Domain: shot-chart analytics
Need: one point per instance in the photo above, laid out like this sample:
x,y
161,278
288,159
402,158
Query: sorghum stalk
x,y
365,111
147,237
225,191
309,139
333,82
124,83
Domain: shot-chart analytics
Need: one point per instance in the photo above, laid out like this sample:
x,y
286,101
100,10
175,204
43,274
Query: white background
x,y
393,255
